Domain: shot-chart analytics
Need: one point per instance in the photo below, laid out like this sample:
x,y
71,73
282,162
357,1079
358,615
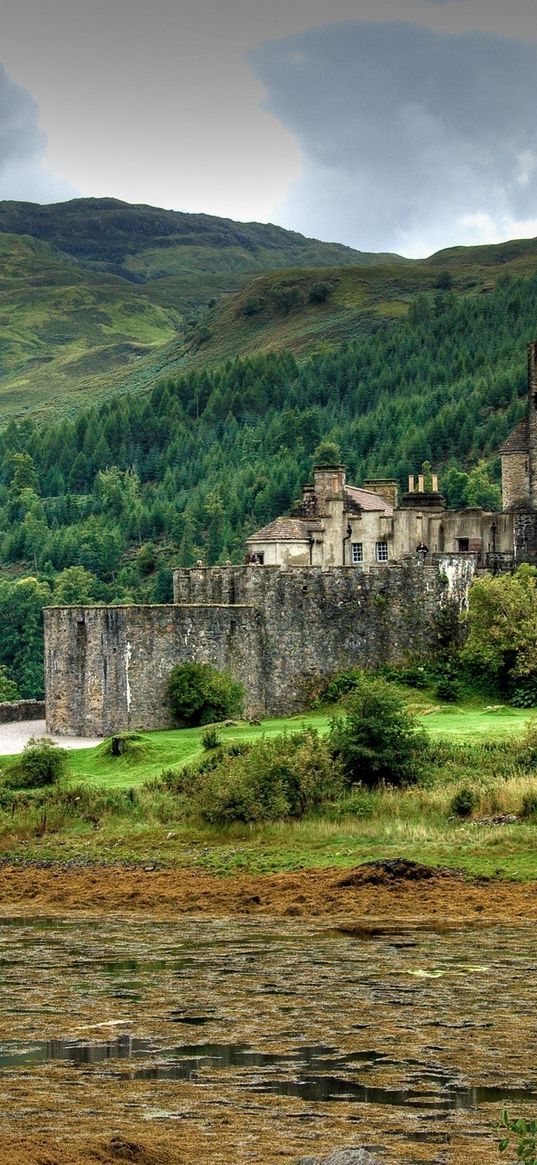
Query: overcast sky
x,y
402,125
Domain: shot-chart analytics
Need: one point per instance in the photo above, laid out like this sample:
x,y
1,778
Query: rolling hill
x,y
99,297
93,291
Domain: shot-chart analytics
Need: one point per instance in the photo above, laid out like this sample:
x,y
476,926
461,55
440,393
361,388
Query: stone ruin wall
x,y
106,668
277,631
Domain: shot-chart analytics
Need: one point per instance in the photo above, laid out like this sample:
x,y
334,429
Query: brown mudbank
x,y
396,889
117,1150
396,870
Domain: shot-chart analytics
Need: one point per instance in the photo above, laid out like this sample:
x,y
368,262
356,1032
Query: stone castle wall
x,y
277,631
106,668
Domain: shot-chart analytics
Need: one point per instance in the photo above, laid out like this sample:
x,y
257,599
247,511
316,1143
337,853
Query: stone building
x,y
337,524
343,581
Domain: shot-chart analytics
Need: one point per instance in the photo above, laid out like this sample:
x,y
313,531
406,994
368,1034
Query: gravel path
x,y
13,737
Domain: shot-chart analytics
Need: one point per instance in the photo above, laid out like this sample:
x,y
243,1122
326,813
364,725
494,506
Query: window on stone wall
x,y
357,552
382,551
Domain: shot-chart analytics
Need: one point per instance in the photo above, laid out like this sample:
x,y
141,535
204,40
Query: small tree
x,y
377,740
327,453
502,627
199,694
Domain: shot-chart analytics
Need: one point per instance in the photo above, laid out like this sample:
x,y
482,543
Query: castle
x,y
353,577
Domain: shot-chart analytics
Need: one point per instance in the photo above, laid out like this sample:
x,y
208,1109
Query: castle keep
x,y
354,577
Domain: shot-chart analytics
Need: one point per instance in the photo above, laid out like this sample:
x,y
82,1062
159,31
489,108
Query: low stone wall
x,y
279,632
106,668
11,711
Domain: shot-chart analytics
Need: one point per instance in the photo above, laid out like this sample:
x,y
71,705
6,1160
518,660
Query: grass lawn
x,y
470,723
107,823
167,750
162,750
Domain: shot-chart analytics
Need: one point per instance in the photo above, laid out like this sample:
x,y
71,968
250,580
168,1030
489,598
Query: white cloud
x,y
24,172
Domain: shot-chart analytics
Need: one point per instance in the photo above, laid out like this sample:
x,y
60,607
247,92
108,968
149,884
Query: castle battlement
x,y
280,631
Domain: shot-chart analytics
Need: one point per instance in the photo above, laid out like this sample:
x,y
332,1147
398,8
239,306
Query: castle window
x,y
382,551
357,552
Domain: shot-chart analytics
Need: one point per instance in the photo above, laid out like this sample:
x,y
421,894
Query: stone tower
x,y
532,424
519,451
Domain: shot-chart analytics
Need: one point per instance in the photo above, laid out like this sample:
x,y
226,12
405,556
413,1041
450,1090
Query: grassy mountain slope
x,y
144,242
99,297
66,331
311,311
91,288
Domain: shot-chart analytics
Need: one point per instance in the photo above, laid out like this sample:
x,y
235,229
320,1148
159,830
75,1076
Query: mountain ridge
x,y
105,297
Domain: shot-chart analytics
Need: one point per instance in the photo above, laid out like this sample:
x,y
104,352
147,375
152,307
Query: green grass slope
x,y
98,297
112,809
145,242
67,331
311,311
93,292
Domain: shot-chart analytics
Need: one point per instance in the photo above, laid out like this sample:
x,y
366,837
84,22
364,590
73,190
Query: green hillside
x,y
65,330
308,311
93,292
99,297
144,243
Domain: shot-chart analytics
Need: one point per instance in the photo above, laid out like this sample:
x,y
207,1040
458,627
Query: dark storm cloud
x,y
410,137
23,147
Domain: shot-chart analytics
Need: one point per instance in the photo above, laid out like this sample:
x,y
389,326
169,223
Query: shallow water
x,y
423,1036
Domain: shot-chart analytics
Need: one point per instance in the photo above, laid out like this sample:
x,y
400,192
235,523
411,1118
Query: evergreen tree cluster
x,y
99,508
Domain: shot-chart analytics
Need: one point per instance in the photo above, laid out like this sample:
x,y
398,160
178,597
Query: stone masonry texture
x,y
15,710
279,632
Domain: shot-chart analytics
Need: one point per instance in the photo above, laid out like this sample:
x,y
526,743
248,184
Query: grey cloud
x,y
410,138
23,170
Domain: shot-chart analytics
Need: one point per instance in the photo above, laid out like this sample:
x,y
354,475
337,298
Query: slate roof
x,y
518,440
282,530
368,501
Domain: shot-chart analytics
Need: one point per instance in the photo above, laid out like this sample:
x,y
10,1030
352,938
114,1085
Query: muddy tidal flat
x,y
398,1014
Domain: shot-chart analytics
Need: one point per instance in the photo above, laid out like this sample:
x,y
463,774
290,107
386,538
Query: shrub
x,y
319,292
287,776
8,687
377,740
526,747
199,694
340,686
523,693
211,738
463,802
41,763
